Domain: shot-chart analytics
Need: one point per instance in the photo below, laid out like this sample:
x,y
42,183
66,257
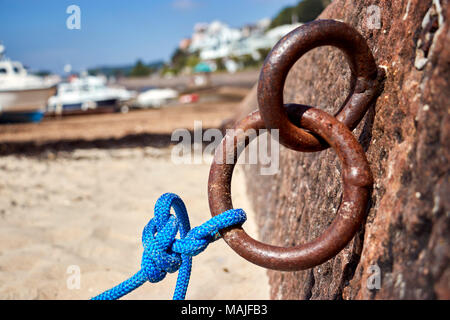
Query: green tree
x,y
166,70
283,17
248,61
178,59
308,10
220,64
181,59
304,11
140,70
192,61
263,52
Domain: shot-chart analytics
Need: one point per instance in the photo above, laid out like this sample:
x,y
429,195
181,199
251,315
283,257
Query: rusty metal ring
x,y
357,182
365,79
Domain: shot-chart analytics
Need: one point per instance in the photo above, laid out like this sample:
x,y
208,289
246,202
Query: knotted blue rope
x,y
164,253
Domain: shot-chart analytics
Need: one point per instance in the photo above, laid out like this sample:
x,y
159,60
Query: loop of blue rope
x,y
163,253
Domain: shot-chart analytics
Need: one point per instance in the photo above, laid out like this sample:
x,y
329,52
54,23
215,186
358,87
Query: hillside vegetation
x,y
304,11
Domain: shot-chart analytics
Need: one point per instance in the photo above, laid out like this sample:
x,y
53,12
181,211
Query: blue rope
x,y
164,253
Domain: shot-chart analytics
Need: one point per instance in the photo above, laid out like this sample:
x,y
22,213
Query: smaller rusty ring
x,y
357,181
365,79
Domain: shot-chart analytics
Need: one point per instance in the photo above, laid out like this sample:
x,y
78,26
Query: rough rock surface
x,y
406,139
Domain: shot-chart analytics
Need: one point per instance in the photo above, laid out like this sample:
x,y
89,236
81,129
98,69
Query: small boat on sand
x,y
155,97
88,94
23,97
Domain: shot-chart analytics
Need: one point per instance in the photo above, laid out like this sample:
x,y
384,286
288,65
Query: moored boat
x,y
87,94
23,97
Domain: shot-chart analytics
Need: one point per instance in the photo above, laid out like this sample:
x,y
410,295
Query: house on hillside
x,y
217,40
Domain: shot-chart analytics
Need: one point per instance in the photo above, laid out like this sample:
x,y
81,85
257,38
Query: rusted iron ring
x,y
357,181
365,79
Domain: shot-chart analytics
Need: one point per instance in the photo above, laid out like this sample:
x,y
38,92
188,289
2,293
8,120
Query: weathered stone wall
x,y
406,139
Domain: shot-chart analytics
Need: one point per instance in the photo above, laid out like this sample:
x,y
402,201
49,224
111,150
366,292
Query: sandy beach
x,y
87,209
77,191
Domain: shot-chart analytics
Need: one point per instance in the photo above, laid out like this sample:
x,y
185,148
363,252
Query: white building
x,y
217,40
213,40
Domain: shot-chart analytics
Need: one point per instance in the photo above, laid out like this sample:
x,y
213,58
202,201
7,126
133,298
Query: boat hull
x,y
21,117
98,106
25,101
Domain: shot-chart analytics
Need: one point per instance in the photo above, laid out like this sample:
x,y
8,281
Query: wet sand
x,y
115,125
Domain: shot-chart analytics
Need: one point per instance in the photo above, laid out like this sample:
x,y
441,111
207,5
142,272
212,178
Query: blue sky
x,y
114,32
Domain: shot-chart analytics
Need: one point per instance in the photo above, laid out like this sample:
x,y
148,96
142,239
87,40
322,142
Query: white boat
x,y
23,97
155,97
88,94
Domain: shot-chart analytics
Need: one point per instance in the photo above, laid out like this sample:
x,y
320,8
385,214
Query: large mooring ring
x,y
357,182
365,79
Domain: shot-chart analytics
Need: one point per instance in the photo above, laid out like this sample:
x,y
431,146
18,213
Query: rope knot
x,y
164,253
158,236
158,259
